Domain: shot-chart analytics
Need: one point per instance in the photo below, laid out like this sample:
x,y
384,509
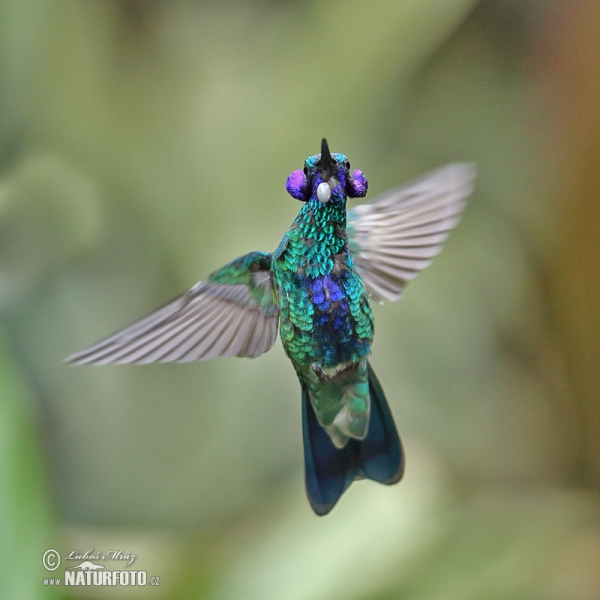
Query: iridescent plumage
x,y
317,286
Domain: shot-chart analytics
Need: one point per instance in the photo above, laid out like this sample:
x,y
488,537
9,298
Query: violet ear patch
x,y
357,186
296,185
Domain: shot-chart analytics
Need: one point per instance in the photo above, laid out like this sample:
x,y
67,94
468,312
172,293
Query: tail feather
x,y
330,471
381,454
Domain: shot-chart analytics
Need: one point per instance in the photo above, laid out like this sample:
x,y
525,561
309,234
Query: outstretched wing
x,y
397,234
232,313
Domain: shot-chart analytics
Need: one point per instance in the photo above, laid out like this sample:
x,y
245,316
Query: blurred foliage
x,y
25,521
145,143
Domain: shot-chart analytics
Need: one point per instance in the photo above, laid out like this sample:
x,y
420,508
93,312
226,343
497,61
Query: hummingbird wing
x,y
397,234
232,313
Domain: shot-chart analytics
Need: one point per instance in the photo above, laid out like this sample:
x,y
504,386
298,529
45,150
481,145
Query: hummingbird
x,y
316,288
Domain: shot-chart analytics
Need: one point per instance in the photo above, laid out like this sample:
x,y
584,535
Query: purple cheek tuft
x,y
357,186
296,185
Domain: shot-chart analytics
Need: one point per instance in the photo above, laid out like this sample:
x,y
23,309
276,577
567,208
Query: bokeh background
x,y
144,143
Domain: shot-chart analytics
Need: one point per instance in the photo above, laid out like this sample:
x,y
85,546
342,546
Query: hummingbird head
x,y
326,177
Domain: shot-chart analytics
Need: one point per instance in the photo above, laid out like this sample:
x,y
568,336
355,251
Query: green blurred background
x,y
144,143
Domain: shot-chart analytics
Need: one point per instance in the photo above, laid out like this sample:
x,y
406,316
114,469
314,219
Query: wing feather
x,y
232,313
398,234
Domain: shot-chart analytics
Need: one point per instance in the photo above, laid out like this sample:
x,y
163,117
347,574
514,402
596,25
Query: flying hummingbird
x,y
317,287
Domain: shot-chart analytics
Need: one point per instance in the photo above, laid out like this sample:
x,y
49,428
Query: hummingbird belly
x,y
326,320
326,328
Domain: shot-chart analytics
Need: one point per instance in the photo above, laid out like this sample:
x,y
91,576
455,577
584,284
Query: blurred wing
x,y
397,234
232,313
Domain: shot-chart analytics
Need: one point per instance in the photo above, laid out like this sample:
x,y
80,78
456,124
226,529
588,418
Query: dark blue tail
x,y
330,471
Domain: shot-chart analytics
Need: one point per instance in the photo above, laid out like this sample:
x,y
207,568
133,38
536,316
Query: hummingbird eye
x,y
347,165
305,170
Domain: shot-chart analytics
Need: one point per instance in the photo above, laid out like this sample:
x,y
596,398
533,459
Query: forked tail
x,y
330,470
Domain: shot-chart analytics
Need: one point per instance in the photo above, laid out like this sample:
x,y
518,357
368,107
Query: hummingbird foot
x,y
320,372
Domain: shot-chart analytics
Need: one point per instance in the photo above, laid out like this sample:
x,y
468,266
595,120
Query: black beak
x,y
327,163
